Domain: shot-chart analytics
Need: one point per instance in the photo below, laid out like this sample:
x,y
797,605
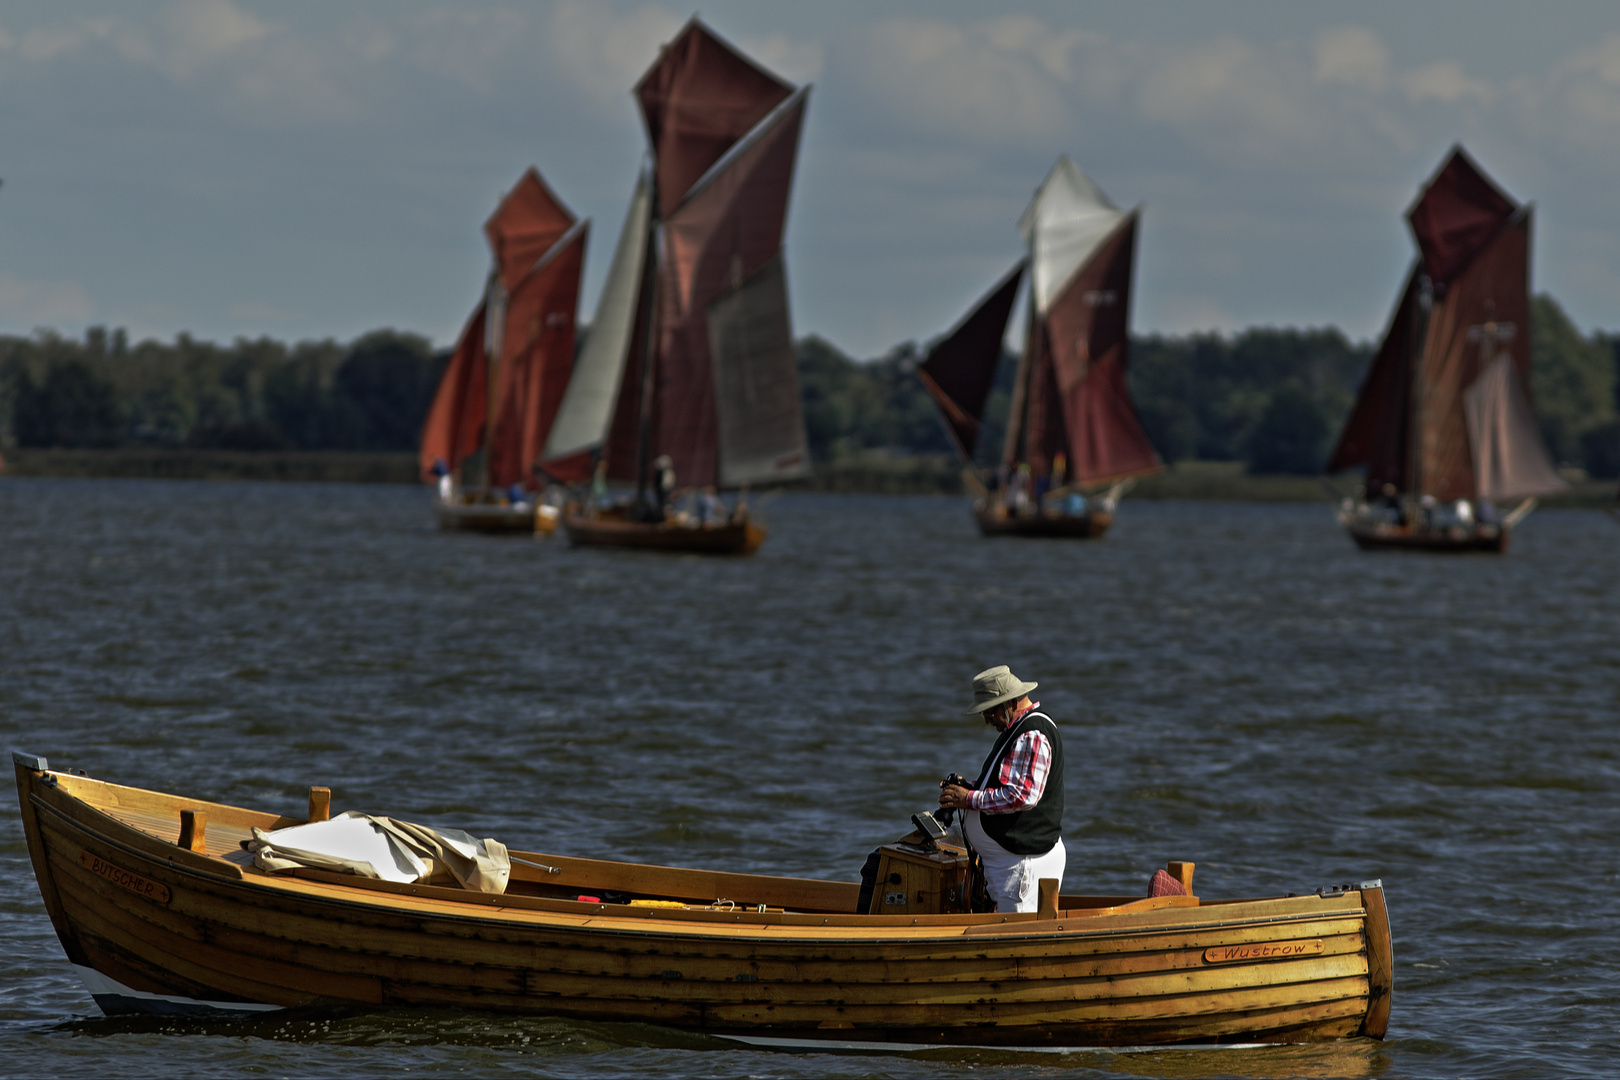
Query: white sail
x,y
587,406
1510,460
1064,224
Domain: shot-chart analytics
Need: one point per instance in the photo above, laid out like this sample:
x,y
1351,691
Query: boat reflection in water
x,y
1443,425
1074,442
168,904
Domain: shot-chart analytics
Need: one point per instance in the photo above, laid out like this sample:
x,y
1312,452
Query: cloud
x,y
1352,56
42,303
1591,83
602,53
993,81
795,61
1443,81
190,36
1229,89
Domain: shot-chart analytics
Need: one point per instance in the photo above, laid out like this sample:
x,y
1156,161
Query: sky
x,y
310,170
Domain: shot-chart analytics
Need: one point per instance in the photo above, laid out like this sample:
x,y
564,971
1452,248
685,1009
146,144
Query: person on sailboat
x,y
1013,813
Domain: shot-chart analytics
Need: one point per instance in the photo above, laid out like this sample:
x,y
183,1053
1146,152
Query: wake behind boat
x,y
162,908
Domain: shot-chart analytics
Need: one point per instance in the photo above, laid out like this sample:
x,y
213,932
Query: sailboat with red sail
x,y
505,382
1074,442
688,379
1444,425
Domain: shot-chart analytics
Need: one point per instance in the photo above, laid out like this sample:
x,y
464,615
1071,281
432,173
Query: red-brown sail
x,y
711,350
1379,428
1484,314
961,369
1458,212
538,353
455,422
1088,332
697,100
722,236
1071,396
1465,305
529,220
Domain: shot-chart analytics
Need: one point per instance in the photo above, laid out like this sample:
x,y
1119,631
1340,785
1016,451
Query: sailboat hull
x,y
1088,526
617,531
492,517
1491,539
157,922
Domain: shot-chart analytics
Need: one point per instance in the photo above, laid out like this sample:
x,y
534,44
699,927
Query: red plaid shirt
x,y
1021,780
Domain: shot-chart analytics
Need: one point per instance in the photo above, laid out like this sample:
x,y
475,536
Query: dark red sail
x,y
715,242
529,220
538,354
455,422
1088,331
1378,432
697,100
1444,409
961,369
1459,211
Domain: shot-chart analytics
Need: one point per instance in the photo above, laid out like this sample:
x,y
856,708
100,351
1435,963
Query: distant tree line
x,y
1272,398
254,395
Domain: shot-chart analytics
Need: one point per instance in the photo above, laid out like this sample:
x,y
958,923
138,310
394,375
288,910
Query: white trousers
x,y
1013,881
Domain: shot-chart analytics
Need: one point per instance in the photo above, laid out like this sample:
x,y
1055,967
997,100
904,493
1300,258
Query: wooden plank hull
x,y
493,517
1374,536
1085,526
155,927
615,530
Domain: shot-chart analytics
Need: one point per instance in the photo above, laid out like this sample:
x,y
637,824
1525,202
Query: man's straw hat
x,y
997,685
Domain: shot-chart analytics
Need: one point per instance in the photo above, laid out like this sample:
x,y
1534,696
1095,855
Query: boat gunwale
x,y
367,894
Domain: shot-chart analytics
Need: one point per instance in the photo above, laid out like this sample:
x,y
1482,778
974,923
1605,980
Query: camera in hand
x,y
934,824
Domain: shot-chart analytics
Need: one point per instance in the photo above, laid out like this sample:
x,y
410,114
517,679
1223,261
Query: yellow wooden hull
x,y
159,927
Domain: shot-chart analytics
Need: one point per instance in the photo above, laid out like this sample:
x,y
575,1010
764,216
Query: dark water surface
x,y
1237,684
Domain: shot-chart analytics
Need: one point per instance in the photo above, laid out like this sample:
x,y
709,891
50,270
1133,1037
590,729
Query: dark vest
x,y
1035,830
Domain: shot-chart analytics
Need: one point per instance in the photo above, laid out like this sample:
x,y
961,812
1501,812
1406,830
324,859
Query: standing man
x,y
1013,813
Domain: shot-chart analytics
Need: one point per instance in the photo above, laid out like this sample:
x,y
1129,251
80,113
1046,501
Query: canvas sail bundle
x,y
384,848
1445,407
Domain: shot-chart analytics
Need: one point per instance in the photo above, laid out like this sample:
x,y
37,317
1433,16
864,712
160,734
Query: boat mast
x,y
1417,350
494,340
649,346
1011,445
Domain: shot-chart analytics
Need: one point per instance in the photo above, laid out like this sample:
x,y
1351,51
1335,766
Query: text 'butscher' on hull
x,y
161,910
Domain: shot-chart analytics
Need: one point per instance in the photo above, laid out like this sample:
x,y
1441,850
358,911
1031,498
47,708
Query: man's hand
x,y
953,796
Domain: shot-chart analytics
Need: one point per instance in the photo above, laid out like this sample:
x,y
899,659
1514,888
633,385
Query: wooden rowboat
x,y
161,911
1088,525
613,528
